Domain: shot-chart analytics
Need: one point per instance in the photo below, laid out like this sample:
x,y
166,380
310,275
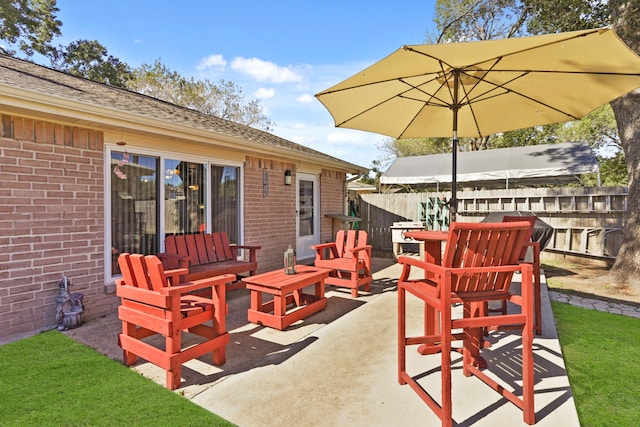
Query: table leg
x,y
280,304
319,288
256,300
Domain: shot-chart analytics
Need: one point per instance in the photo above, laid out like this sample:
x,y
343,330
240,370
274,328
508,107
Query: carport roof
x,y
499,168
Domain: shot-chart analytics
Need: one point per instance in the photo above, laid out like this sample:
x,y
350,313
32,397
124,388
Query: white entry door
x,y
308,208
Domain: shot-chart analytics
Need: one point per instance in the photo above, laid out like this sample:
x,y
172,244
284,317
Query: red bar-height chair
x,y
350,259
479,262
152,304
534,261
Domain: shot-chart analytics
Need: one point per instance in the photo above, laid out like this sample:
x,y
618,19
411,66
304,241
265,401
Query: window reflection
x,y
134,196
184,194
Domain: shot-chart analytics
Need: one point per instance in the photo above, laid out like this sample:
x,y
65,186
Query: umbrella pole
x,y
453,203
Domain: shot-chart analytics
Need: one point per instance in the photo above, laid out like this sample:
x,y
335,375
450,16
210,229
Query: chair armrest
x,y
174,275
366,249
251,248
427,267
319,248
195,285
169,260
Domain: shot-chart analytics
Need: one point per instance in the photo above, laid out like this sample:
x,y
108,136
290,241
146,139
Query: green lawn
x,y
601,352
51,380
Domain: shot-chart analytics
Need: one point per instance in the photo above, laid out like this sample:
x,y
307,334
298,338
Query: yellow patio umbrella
x,y
475,89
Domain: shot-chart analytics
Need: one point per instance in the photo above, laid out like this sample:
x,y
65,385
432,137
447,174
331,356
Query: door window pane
x,y
305,197
134,197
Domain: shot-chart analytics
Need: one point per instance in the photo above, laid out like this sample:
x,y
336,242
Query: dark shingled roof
x,y
38,79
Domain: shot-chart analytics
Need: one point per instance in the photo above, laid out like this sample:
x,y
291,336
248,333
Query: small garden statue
x,y
70,308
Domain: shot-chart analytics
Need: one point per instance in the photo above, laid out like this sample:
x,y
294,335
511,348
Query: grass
x,y
601,352
51,380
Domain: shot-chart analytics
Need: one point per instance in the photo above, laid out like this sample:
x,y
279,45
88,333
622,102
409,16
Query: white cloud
x,y
264,71
305,99
303,140
215,62
359,139
264,93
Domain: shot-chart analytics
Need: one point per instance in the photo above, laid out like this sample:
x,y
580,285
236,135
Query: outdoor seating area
x,y
443,295
351,346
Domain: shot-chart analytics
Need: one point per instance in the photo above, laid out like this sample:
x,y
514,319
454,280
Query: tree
x,y
29,24
224,100
89,59
625,17
468,20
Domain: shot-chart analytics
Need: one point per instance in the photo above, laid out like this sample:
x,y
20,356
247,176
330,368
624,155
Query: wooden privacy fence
x,y
587,221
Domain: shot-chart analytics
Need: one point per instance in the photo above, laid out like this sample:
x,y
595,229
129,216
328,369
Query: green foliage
x,y
90,59
601,352
566,15
467,20
547,134
598,128
224,100
51,380
613,171
29,25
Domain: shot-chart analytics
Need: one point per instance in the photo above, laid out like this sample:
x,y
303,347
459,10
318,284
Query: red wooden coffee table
x,y
286,289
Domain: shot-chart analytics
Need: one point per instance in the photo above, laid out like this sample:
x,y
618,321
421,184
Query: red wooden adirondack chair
x,y
151,305
350,259
479,262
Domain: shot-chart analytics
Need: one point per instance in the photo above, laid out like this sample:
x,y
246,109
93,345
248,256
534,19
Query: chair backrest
x,y
483,245
141,271
349,239
527,238
201,248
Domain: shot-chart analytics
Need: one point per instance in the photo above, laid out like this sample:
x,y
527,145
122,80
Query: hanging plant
x,y
121,163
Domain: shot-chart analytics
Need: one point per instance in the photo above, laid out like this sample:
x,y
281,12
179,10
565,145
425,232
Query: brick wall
x,y
332,200
51,222
270,219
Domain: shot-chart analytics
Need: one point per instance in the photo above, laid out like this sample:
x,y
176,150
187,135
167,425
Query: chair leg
x,y
173,345
354,290
402,332
528,377
446,412
128,358
536,299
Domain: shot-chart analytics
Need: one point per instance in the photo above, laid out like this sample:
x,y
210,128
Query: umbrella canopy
x,y
481,88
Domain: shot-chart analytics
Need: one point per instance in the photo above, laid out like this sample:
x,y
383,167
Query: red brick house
x,y
88,171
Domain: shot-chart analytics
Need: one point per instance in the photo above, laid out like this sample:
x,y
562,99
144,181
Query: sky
x,y
281,52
